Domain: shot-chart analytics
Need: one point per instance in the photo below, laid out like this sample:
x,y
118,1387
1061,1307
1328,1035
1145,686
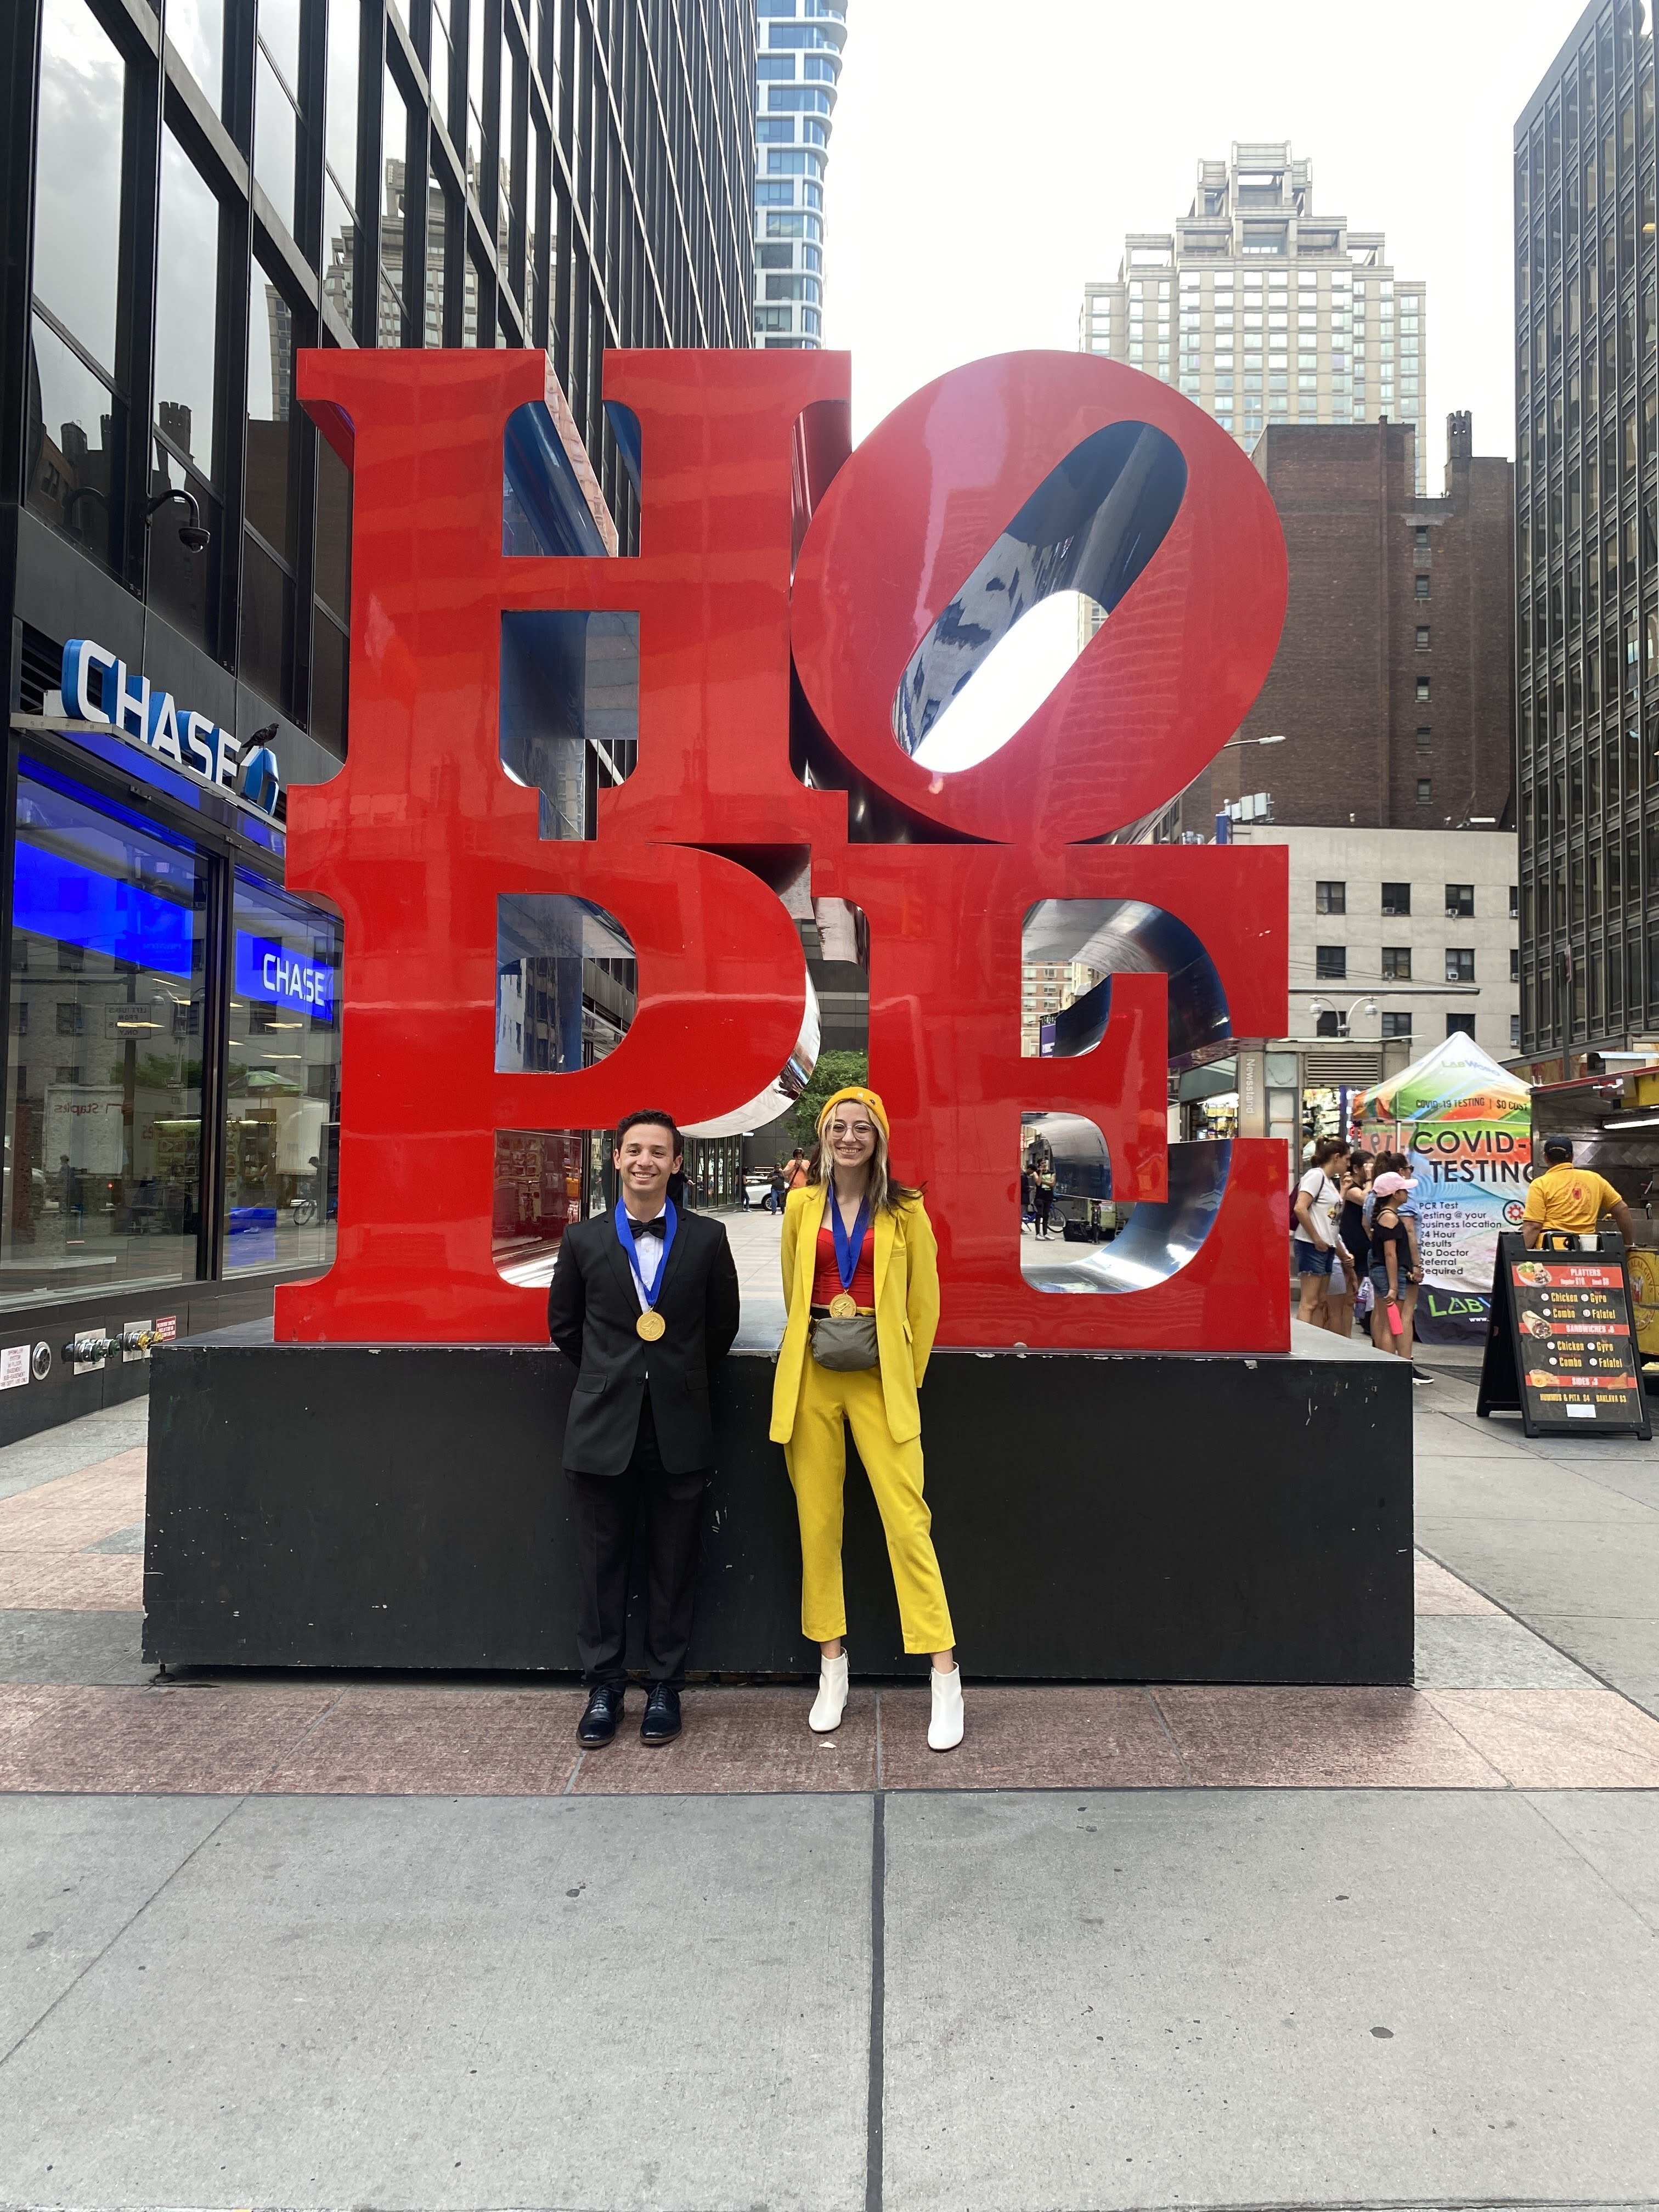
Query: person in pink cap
x,y
1392,1270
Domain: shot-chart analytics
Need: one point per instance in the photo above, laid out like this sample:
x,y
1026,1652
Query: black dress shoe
x,y
661,1723
603,1710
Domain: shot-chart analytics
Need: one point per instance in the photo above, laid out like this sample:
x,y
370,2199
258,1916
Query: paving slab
x,y
1557,1738
1616,1833
1148,2000
1462,1486
73,1445
1490,1652
655,2003
74,1871
53,1645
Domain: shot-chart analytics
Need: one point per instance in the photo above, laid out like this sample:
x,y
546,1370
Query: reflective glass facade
x,y
193,192
1587,554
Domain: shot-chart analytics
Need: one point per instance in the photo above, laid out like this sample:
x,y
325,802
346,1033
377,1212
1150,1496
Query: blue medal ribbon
x,y
849,1246
626,1238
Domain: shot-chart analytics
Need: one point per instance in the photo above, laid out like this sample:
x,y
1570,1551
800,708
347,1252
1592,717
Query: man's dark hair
x,y
656,1119
1557,1148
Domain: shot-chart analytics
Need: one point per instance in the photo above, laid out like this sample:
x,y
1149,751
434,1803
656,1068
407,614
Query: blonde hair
x,y
885,1192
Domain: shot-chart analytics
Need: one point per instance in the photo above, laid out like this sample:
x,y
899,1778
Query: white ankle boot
x,y
830,1702
945,1728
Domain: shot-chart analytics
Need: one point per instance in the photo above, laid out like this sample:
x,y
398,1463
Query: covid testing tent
x,y
1466,1123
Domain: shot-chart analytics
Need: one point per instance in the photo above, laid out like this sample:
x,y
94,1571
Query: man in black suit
x,y
645,1302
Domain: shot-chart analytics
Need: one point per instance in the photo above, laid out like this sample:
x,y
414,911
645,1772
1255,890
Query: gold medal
x,y
844,1306
651,1326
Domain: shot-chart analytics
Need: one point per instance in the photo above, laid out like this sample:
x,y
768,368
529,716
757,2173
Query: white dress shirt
x,y
648,1251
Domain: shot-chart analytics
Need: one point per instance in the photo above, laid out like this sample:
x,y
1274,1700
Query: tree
x,y
836,1071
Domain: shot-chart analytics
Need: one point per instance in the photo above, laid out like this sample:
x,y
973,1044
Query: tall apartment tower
x,y
1263,312
1587,547
797,67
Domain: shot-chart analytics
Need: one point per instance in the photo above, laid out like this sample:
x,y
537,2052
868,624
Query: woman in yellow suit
x,y
860,1284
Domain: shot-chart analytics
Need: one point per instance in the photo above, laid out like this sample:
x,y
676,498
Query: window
x,y
77,429
102,1136
1425,790
283,1079
1420,587
1421,537
1330,898
182,583
340,147
1459,902
1425,736
1397,899
1460,1026
276,128
270,553
1460,963
1515,963
1423,637
1331,963
1329,1024
1397,1025
1515,1032
1422,687
1397,964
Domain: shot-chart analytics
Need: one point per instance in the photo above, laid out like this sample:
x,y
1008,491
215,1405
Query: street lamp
x,y
1344,1022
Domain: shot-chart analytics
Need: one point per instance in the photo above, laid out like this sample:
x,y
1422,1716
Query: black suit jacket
x,y
592,1309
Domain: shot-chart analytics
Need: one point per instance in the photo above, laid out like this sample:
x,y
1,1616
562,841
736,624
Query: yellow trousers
x,y
816,1459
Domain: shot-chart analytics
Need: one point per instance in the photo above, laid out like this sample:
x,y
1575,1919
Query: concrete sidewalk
x,y
321,1943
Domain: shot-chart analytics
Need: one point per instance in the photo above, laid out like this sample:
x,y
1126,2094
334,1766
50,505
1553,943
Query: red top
x,y
826,1275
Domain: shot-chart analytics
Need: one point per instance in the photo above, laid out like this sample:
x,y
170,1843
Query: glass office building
x,y
1587,547
193,191
798,69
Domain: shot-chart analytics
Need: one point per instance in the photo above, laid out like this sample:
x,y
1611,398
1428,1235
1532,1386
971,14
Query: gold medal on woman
x,y
650,1325
844,1306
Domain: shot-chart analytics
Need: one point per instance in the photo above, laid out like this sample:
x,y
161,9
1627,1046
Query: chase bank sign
x,y
130,705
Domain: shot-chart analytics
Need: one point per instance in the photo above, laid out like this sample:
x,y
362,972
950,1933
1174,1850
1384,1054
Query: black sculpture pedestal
x,y
1098,1516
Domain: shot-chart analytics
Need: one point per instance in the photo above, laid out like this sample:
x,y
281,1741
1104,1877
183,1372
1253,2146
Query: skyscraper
x,y
798,66
1262,310
1586,551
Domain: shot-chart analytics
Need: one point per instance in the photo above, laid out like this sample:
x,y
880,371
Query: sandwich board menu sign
x,y
1561,1344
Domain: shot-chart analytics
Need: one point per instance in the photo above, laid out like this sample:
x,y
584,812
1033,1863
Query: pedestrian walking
x,y
860,1286
1352,1182
1399,1163
776,1189
645,1303
1315,1239
1391,1266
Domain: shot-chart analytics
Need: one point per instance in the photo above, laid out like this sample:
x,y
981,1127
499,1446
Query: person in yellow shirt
x,y
1569,1200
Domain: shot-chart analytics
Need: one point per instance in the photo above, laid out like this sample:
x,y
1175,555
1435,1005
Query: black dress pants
x,y
666,1510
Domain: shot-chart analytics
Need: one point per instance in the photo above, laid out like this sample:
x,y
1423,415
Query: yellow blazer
x,y
907,1307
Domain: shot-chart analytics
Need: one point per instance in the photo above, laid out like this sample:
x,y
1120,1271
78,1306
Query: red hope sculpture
x,y
422,831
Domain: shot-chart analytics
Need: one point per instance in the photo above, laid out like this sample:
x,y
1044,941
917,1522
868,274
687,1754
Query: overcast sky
x,y
988,158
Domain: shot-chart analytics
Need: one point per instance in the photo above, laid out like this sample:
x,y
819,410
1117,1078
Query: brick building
x,y
1393,689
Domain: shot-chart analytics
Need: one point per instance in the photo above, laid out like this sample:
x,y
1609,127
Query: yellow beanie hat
x,y
869,1099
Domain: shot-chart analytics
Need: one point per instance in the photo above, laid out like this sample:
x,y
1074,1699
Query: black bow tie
x,y
657,1228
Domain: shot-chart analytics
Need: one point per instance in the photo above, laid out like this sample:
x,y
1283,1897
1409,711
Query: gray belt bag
x,y
845,1345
